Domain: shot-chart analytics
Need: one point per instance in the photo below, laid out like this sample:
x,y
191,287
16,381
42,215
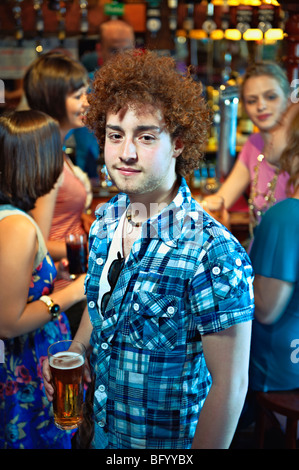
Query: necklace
x,y
131,222
269,195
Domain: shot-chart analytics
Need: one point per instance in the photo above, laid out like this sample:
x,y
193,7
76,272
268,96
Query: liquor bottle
x,y
212,183
153,17
268,15
244,16
209,24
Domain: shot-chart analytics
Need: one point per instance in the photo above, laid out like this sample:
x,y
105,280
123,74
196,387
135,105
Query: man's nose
x,y
128,150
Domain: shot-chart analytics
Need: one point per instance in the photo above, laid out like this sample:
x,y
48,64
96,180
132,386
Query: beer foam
x,y
66,360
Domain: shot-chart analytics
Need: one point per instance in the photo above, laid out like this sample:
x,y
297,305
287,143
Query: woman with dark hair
x,y
57,84
31,317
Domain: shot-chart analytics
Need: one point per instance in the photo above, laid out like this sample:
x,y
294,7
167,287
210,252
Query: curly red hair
x,y
137,79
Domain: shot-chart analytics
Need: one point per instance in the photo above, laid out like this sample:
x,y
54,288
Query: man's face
x,y
139,153
116,39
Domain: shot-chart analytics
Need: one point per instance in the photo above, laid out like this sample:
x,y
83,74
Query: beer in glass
x,y
66,360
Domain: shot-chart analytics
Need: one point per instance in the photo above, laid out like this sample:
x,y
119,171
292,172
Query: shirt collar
x,y
170,225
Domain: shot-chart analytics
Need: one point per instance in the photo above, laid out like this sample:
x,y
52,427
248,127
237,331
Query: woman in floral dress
x,y
31,162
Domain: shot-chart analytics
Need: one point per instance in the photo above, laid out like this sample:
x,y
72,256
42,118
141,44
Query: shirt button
x,y
170,311
99,261
216,270
136,307
101,423
102,388
104,346
91,304
238,262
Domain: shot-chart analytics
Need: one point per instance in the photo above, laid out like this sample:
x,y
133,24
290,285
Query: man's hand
x,y
47,378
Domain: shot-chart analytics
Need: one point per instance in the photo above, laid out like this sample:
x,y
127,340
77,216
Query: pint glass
x,y
76,247
66,360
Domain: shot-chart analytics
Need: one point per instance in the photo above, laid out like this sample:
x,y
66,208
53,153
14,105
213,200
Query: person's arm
x,y
235,184
84,331
227,358
18,247
271,298
43,215
44,210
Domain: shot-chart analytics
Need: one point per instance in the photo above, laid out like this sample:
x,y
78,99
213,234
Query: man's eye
x,y
147,138
114,136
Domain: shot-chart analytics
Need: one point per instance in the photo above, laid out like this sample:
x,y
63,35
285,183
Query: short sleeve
x,y
222,290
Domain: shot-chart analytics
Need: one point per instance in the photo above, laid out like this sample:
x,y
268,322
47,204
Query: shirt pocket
x,y
153,321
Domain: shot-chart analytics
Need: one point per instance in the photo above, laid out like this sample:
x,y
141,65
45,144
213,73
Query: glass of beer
x,y
76,248
214,205
66,360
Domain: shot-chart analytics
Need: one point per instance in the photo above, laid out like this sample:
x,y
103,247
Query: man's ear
x,y
178,146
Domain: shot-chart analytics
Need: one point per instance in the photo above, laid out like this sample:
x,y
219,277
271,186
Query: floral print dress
x,y
26,416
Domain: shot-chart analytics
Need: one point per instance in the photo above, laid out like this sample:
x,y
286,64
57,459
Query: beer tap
x,y
54,5
60,7
188,23
61,22
84,17
39,23
172,5
17,11
39,19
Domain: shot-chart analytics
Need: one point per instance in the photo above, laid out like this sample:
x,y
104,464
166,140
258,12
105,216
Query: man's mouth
x,y
128,171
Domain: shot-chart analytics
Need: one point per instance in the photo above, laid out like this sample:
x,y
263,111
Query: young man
x,y
169,290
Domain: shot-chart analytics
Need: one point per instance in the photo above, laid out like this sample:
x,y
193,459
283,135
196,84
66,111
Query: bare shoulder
x,y
17,231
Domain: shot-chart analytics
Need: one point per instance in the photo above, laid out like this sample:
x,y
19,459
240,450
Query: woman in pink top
x,y
265,93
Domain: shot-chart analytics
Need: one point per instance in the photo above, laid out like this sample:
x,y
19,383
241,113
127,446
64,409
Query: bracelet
x,y
54,309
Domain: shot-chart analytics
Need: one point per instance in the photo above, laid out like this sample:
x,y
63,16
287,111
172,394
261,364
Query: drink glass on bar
x,y
214,205
66,360
76,248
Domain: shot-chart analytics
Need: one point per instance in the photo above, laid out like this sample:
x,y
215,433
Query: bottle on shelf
x,y
212,184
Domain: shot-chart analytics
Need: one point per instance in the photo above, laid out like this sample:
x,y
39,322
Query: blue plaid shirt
x,y
185,277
